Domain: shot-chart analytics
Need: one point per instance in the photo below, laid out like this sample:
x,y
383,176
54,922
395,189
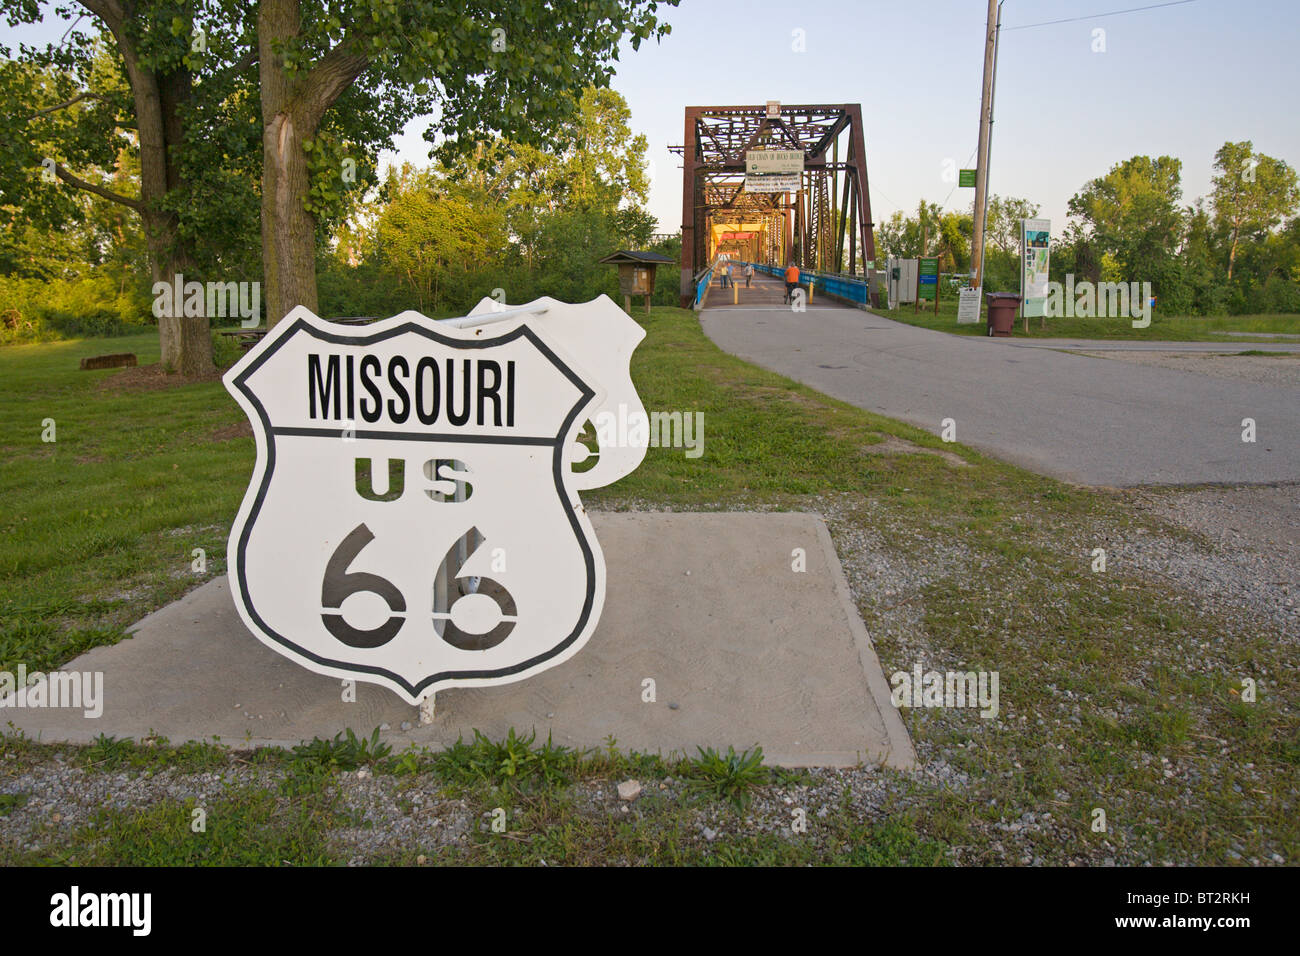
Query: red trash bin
x,y
1002,312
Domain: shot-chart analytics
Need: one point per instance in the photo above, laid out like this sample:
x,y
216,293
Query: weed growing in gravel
x,y
409,763
731,777
514,761
11,801
150,753
342,753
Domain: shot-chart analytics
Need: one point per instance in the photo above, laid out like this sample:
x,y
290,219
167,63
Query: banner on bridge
x,y
774,161
773,183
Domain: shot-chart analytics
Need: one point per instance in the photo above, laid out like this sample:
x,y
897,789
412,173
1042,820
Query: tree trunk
x,y
185,342
185,346
292,108
288,230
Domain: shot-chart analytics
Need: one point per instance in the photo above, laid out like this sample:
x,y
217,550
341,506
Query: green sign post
x,y
927,282
966,177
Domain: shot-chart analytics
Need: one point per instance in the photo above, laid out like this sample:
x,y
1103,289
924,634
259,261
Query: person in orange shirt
x,y
791,280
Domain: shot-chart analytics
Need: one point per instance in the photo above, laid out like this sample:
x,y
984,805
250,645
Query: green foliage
x,y
1132,211
225,350
1252,194
94,305
341,171
729,777
110,753
515,217
513,762
11,801
75,107
433,233
1239,255
346,751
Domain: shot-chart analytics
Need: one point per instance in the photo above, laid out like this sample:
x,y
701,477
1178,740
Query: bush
x,y
364,289
90,305
1277,295
225,350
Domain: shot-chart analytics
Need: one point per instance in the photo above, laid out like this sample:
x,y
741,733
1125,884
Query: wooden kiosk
x,y
636,275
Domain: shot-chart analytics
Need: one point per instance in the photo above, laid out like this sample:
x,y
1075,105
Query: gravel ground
x,y
1258,369
1248,557
1241,557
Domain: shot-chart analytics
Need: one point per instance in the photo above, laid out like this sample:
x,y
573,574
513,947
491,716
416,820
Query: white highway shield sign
x,y
378,450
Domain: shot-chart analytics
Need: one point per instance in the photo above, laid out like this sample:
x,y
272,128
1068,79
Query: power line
x,y
1094,16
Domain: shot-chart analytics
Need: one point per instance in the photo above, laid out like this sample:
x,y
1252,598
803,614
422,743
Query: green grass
x,y
108,753
1162,328
245,828
100,525
1102,675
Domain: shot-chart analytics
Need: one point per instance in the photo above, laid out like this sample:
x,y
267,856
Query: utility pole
x,y
992,28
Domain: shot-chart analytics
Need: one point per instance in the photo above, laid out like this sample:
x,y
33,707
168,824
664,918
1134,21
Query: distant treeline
x,y
526,221
1234,252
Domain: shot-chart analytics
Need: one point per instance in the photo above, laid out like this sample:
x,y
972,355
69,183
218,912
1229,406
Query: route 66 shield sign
x,y
599,334
412,519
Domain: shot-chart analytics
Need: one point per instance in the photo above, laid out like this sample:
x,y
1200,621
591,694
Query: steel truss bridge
x,y
824,225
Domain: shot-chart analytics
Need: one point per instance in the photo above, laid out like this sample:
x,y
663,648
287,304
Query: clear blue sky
x,y
1179,80
1176,81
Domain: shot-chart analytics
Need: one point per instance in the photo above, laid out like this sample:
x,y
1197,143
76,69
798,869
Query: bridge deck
x,y
765,292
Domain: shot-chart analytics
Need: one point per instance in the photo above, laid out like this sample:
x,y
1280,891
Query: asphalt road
x,y
1089,420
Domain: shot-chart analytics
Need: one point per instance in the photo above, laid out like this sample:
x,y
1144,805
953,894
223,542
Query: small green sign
x,y
966,177
927,285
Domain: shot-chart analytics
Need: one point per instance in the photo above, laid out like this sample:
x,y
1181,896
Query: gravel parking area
x,y
1259,369
1247,559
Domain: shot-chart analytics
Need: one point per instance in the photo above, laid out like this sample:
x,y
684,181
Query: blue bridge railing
x,y
702,282
849,288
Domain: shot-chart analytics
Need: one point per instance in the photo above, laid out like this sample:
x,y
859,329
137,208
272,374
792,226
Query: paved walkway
x,y
1085,419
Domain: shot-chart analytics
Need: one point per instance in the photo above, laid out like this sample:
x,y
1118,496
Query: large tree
x,y
154,82
1252,194
485,67
335,83
594,164
1133,214
432,229
1005,216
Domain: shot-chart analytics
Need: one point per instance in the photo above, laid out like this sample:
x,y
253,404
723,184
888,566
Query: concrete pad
x,y
742,650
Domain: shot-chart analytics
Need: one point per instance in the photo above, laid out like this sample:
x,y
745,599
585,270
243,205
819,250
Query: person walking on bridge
x,y
791,280
749,273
